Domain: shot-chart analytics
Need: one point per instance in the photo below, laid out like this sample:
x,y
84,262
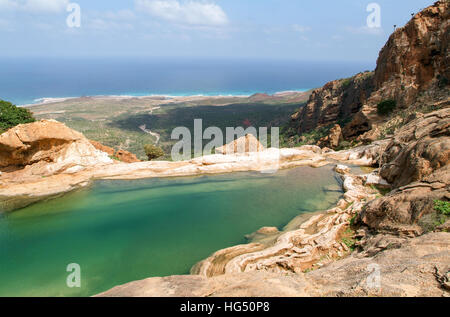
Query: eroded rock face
x,y
406,271
121,155
245,144
412,68
418,149
47,147
336,100
333,139
402,212
415,162
415,58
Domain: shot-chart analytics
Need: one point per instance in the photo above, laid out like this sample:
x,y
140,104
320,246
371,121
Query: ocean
x,y
26,80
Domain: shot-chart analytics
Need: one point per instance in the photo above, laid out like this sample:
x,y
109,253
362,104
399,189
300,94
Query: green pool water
x,y
121,231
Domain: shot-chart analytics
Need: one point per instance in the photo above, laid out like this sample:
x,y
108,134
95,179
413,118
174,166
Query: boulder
x,y
127,157
121,155
245,144
419,148
47,147
333,139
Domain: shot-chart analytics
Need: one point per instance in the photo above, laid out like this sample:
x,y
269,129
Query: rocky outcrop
x,y
413,69
417,268
336,100
415,162
109,150
419,148
416,58
333,139
126,157
246,144
121,155
47,147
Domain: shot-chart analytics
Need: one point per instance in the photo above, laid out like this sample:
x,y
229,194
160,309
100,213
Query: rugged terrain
x,y
391,226
128,123
387,236
413,69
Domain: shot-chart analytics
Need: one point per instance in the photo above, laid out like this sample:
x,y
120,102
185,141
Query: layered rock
x,y
416,58
246,144
47,147
412,69
314,243
415,162
416,269
336,100
121,155
333,139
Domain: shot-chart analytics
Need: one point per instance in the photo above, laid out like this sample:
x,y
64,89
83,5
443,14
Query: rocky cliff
x,y
397,227
413,68
47,147
334,102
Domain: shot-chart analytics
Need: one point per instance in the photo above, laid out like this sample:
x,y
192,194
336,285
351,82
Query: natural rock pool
x,y
120,231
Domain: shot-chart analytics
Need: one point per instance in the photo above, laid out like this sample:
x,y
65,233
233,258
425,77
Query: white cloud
x,y
48,6
8,4
301,28
186,12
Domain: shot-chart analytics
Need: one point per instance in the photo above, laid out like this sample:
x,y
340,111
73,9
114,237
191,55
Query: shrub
x,y
386,107
442,207
153,152
346,83
11,115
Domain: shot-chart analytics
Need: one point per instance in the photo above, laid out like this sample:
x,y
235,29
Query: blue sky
x,y
325,30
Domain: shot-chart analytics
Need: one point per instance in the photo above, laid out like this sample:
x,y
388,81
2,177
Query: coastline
x,y
180,97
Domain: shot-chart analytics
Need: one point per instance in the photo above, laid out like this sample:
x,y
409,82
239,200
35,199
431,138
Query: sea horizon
x,y
28,81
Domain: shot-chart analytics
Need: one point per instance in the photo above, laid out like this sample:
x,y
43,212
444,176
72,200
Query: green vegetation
x,y
153,151
442,207
383,191
431,221
290,138
346,83
348,239
353,220
11,115
118,123
442,81
385,107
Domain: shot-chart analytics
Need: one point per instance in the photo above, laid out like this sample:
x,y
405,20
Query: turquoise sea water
x,y
24,80
120,231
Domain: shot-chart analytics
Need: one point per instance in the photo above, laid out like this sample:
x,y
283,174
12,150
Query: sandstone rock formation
x,y
412,69
121,155
46,148
406,271
333,139
416,58
337,100
415,162
245,144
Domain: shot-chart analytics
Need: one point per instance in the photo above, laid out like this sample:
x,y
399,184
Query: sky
x,y
307,30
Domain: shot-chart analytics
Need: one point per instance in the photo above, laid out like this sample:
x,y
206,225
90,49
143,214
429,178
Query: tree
x,y
11,115
153,152
386,107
